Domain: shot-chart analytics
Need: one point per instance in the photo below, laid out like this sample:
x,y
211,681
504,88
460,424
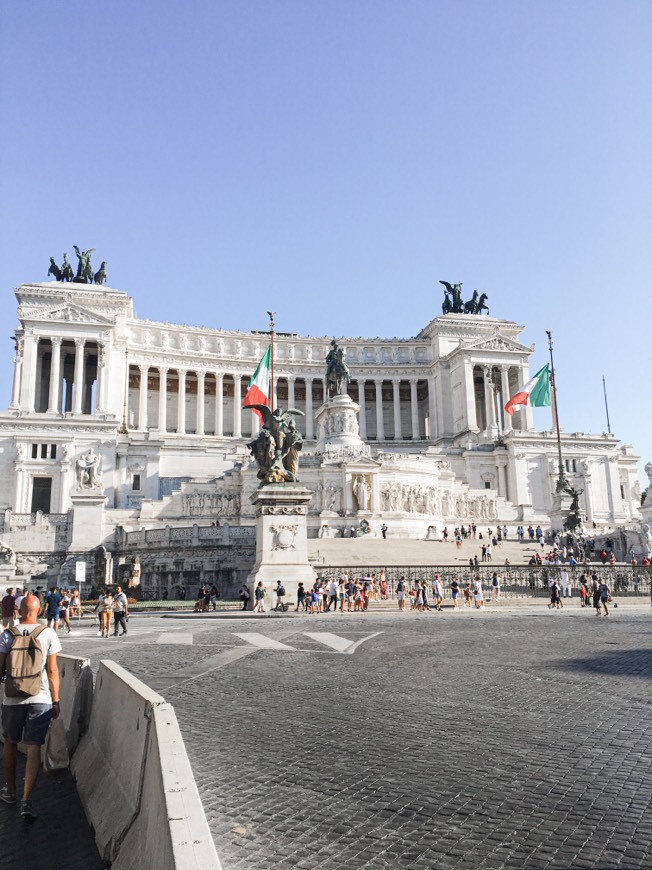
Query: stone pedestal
x,y
88,513
281,540
337,425
558,513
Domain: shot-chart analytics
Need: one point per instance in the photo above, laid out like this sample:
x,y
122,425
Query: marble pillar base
x,y
281,540
559,511
87,520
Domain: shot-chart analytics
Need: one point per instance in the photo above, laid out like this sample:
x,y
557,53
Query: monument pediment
x,y
496,342
71,313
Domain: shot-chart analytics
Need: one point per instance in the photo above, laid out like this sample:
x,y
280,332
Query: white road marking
x,y
262,642
175,638
354,646
334,641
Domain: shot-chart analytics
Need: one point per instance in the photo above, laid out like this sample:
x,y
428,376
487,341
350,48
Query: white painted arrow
x,y
334,641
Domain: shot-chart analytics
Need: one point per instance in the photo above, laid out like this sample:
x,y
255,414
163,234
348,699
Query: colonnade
x,y
199,402
59,375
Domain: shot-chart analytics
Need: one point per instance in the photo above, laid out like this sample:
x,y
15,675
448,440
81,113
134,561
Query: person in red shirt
x,y
9,609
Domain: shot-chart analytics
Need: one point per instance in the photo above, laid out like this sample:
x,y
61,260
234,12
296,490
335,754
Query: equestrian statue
x,y
337,371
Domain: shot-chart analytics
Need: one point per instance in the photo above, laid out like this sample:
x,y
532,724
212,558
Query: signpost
x,y
80,577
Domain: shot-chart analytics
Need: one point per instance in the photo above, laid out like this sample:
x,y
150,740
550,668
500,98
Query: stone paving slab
x,y
512,738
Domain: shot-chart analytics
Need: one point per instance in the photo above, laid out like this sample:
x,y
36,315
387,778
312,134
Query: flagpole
x,y
562,483
271,333
606,406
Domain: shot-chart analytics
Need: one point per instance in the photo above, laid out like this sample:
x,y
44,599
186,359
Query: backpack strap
x,y
38,630
14,631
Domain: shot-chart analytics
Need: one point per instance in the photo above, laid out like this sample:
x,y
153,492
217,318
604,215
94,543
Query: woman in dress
x,y
106,611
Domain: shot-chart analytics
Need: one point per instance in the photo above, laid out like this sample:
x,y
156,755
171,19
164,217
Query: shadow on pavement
x,y
59,839
617,663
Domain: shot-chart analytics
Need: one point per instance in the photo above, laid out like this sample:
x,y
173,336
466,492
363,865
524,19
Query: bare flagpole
x,y
606,406
272,314
562,483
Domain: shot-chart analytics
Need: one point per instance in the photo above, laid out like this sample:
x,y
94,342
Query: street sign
x,y
80,572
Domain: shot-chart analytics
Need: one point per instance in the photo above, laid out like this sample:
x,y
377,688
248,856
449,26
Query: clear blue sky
x,y
336,160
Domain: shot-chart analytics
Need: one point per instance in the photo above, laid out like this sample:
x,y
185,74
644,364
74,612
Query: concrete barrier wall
x,y
135,781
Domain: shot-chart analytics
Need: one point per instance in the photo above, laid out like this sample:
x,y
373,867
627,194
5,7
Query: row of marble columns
x,y
80,383
143,423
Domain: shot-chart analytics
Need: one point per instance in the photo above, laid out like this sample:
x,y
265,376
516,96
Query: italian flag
x,y
258,389
536,392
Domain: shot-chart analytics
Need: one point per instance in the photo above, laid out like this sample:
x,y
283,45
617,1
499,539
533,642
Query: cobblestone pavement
x,y
517,738
59,839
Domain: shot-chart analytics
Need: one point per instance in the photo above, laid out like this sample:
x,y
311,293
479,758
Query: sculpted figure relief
x,y
87,470
362,492
276,448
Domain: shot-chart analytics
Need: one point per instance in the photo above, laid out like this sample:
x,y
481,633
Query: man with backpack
x,y
28,661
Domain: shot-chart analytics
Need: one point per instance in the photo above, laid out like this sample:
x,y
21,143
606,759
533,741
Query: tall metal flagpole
x,y
272,314
562,483
606,406
123,430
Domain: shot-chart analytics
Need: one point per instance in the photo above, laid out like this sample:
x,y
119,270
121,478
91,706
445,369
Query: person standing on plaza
x,y
489,552
495,582
455,593
400,593
605,597
9,609
595,592
29,705
438,592
383,531
106,609
64,611
120,611
245,596
424,595
341,593
301,596
333,595
565,583
52,606
280,595
259,598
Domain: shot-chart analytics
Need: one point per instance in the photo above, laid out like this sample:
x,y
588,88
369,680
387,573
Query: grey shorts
x,y
26,722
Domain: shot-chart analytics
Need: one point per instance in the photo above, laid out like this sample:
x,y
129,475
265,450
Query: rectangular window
x,y
44,451
487,484
53,451
135,483
41,494
34,451
622,491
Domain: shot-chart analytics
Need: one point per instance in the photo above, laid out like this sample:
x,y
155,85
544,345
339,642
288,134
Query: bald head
x,y
29,608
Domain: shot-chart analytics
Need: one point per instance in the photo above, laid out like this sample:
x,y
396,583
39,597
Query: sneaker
x,y
7,797
27,810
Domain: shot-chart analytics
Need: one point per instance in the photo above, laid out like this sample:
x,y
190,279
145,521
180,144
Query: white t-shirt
x,y
50,646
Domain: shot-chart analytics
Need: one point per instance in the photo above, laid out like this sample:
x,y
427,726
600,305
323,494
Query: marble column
x,y
18,367
237,406
291,382
398,434
100,399
201,413
28,380
219,404
362,417
380,425
142,397
162,399
489,398
527,410
181,408
309,417
432,407
55,377
469,386
504,388
78,381
414,408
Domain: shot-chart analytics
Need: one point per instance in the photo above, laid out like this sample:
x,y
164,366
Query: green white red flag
x,y
536,392
258,389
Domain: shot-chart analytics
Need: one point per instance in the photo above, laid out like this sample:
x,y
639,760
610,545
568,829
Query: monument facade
x,y
139,426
